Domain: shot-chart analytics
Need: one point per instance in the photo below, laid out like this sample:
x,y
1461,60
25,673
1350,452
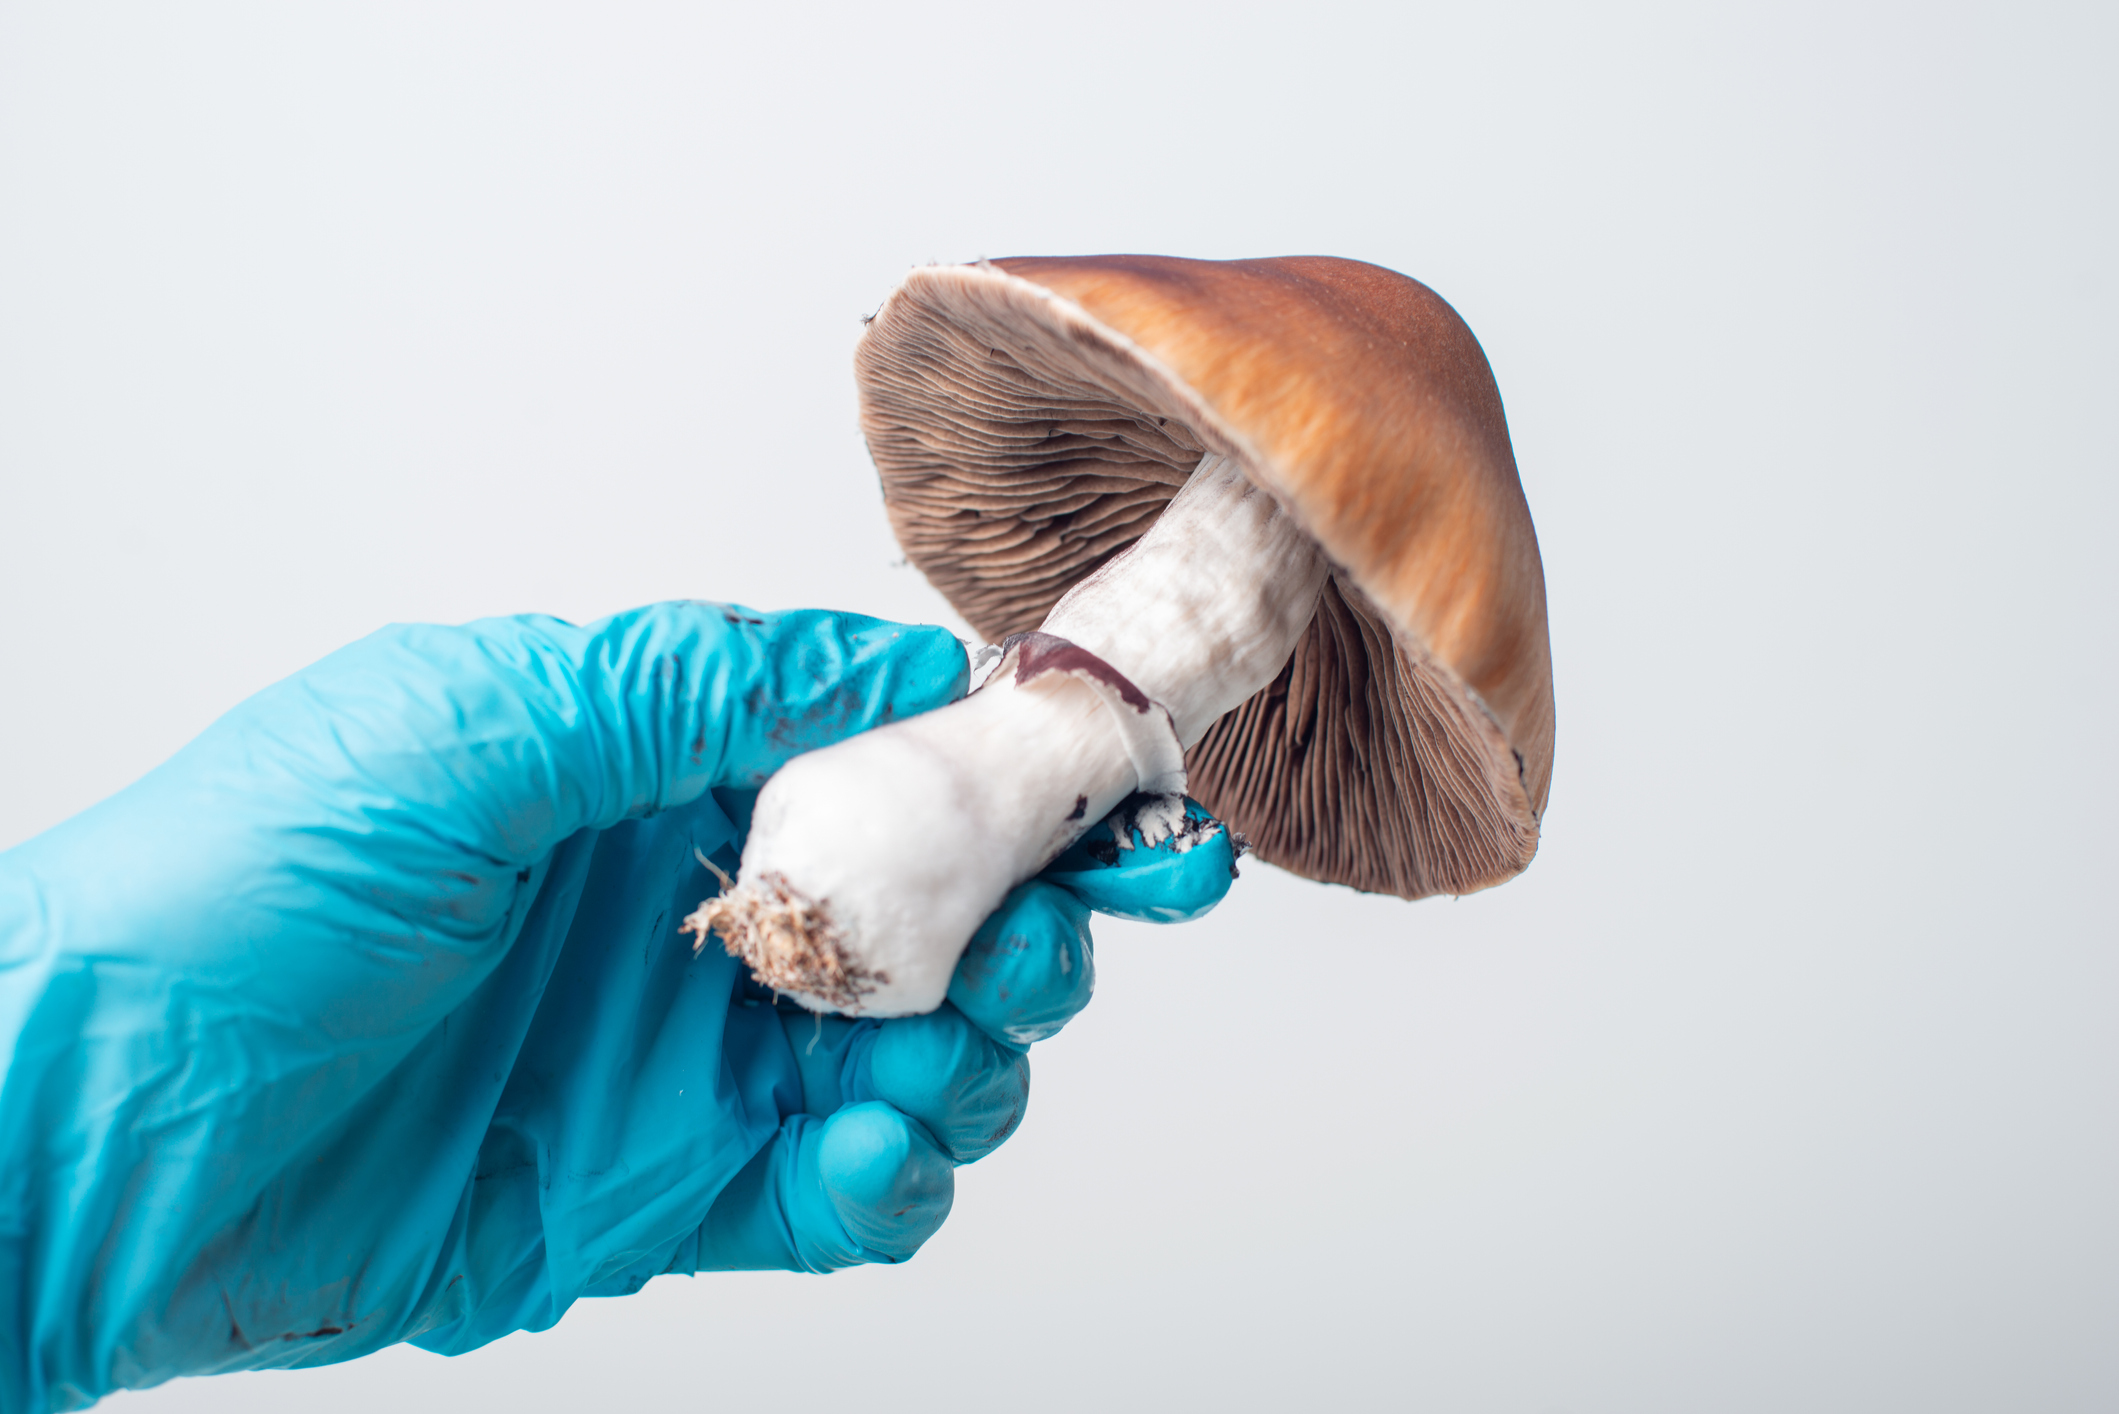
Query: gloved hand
x,y
366,1018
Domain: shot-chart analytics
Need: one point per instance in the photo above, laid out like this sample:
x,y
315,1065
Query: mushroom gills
x,y
871,863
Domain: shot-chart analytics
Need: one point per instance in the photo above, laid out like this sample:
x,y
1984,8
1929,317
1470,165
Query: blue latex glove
x,y
365,1018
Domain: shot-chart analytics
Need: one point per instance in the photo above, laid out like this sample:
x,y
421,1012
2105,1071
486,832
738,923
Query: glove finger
x,y
968,1090
865,1185
1175,880
889,1184
1029,967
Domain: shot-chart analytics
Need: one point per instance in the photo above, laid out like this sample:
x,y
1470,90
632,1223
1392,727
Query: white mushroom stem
x,y
871,863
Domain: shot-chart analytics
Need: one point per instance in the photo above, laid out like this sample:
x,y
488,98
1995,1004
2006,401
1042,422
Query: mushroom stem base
x,y
788,941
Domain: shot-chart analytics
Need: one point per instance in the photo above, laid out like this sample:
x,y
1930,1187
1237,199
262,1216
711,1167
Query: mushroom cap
x,y
1031,417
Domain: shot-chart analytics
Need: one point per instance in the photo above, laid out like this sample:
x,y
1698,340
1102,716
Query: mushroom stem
x,y
1203,610
871,863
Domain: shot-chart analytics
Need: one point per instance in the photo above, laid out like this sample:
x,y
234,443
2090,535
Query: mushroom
x,y
1248,529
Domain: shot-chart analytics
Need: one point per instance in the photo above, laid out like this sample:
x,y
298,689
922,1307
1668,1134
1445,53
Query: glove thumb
x,y
506,736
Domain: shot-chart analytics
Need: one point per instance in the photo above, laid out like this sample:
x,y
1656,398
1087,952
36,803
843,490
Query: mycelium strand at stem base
x,y
871,863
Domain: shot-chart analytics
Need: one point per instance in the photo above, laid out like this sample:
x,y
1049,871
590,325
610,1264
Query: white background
x,y
1785,1079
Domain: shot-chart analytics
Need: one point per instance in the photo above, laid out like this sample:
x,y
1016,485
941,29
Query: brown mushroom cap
x,y
1031,417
